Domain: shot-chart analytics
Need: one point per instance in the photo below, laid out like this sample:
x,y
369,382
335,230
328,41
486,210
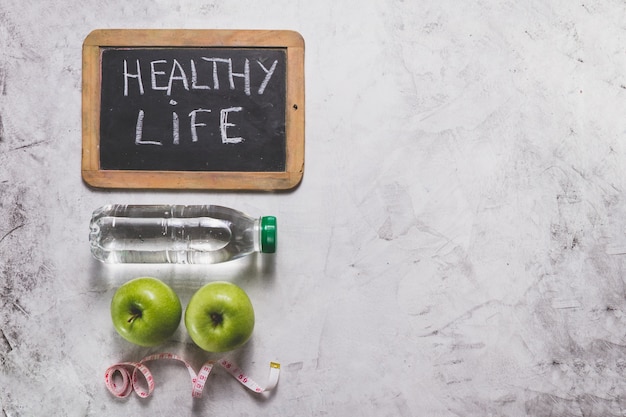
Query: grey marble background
x,y
457,246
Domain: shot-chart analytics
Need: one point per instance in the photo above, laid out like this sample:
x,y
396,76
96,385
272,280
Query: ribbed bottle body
x,y
199,234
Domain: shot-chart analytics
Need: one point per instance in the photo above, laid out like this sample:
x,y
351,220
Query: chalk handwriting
x,y
136,75
224,125
205,73
165,75
195,125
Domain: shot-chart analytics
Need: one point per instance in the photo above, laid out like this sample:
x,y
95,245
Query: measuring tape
x,y
123,378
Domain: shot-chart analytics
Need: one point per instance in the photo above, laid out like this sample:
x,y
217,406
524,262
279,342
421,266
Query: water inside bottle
x,y
135,238
164,234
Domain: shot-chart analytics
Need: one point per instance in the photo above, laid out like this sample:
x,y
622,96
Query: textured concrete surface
x,y
457,246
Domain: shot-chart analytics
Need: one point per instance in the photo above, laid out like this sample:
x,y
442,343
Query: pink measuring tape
x,y
122,378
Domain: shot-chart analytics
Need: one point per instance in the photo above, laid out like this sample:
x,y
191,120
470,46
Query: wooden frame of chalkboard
x,y
153,116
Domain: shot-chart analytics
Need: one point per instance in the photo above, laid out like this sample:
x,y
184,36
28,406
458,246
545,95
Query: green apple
x,y
219,317
145,311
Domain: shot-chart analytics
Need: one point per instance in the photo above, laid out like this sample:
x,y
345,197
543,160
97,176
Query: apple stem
x,y
136,314
217,319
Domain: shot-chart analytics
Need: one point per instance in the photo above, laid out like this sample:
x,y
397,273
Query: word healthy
x,y
165,75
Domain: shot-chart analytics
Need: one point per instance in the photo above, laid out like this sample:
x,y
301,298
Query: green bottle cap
x,y
268,234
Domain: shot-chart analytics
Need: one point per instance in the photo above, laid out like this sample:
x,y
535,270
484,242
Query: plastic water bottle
x,y
201,234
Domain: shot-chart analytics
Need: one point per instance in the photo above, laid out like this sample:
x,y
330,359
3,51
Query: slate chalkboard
x,y
193,109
